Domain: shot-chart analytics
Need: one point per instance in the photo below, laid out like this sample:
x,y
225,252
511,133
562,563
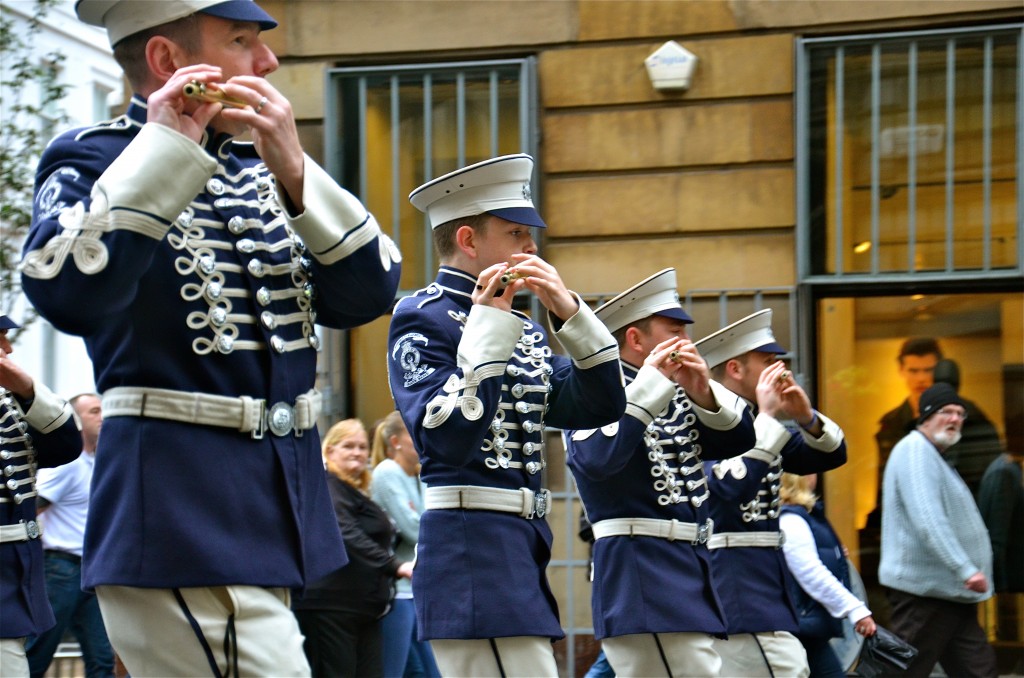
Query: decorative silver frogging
x,y
14,430
673,482
767,504
533,362
220,326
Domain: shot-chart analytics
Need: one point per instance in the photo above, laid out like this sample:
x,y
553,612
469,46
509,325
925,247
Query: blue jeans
x,y
600,668
75,610
404,655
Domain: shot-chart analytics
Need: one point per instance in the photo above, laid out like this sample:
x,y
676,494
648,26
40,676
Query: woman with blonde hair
x,y
398,490
340,614
821,578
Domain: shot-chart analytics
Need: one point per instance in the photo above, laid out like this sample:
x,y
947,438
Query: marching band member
x,y
195,267
642,484
476,383
749,567
37,429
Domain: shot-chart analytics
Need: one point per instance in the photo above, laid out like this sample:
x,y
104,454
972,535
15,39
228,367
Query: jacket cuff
x,y
770,435
177,169
48,412
648,394
831,435
730,409
333,224
585,338
488,340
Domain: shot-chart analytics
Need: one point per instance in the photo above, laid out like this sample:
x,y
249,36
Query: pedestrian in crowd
x,y
398,490
63,504
642,484
748,565
196,266
476,382
821,578
936,555
340,615
37,430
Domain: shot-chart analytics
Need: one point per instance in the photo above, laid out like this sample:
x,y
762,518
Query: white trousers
x,y
515,657
13,662
773,653
203,631
648,655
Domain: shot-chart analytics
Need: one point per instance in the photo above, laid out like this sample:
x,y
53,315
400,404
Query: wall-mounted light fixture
x,y
671,66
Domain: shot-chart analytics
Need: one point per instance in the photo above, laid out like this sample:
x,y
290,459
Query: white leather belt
x,y
672,530
523,502
21,532
726,540
245,414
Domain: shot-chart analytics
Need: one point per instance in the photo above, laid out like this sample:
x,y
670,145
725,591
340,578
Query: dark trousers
x,y
945,632
75,610
341,644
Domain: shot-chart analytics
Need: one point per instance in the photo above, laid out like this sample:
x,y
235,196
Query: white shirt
x,y
812,575
67,489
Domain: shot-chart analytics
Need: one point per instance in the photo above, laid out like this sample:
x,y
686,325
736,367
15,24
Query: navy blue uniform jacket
x,y
44,436
648,465
475,386
182,268
752,581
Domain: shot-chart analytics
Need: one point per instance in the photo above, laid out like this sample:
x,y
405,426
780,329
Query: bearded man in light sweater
x,y
936,556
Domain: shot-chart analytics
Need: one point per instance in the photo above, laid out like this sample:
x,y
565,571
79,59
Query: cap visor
x,y
241,10
772,347
520,215
675,314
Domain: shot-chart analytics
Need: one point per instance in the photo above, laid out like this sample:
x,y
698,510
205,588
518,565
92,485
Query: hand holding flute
x,y
200,91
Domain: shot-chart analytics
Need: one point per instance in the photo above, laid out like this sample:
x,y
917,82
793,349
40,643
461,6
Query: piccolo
x,y
510,275
676,356
784,377
199,91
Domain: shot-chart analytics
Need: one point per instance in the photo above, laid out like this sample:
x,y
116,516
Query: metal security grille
x,y
390,129
910,156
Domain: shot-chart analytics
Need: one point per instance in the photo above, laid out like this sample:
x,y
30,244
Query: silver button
x,y
215,186
314,341
218,316
305,264
277,343
522,407
502,461
529,448
214,290
185,219
5,454
262,184
255,267
245,246
495,425
8,471
206,264
12,484
312,315
499,444
236,224
225,344
513,371
533,467
530,426
518,390
309,291
268,319
263,296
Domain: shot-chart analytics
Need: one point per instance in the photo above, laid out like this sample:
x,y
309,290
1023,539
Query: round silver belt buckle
x,y
32,529
281,419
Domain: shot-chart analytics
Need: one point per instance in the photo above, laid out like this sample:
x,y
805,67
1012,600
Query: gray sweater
x,y
933,537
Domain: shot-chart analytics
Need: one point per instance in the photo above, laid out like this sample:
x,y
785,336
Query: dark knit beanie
x,y
937,397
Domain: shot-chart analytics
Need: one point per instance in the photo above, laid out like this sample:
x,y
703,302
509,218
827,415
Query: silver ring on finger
x,y
260,105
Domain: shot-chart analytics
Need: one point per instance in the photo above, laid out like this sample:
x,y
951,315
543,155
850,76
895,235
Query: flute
x,y
510,275
199,91
676,356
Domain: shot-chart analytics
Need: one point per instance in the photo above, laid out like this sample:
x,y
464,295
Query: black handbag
x,y
884,654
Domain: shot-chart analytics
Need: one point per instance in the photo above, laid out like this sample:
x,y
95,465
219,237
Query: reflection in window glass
x,y
872,394
914,154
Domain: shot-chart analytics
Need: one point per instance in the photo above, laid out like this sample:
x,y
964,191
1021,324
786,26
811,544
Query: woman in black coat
x,y
340,614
